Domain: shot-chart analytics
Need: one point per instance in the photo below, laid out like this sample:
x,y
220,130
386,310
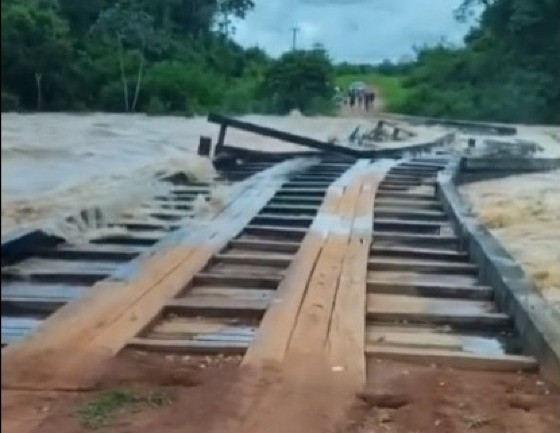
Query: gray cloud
x,y
352,30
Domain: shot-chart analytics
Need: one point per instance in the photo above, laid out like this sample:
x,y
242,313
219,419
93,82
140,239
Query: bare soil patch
x,y
403,398
211,395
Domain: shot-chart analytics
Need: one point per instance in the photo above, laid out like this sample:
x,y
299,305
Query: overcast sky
x,y
365,31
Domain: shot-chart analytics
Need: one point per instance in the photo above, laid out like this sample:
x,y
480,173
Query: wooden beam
x,y
429,289
266,245
465,360
414,265
277,326
225,122
221,140
413,309
189,346
347,330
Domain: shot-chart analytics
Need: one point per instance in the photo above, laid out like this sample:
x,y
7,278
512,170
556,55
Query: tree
x,y
507,71
35,51
300,79
128,28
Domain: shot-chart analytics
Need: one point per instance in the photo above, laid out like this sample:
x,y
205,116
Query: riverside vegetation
x,y
178,56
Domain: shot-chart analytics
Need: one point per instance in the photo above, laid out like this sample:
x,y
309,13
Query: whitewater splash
x,y
54,165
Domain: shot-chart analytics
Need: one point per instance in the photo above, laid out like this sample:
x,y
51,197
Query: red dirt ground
x,y
213,395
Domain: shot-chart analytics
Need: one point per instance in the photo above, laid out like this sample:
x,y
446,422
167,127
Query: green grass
x,y
101,411
390,87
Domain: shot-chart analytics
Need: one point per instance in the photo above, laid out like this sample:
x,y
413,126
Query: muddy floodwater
x,y
523,213
56,163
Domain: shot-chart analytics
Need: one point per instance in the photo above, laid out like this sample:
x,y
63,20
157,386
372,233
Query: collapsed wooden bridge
x,y
358,258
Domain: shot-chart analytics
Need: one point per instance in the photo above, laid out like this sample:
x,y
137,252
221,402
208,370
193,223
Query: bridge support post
x,y
205,146
221,139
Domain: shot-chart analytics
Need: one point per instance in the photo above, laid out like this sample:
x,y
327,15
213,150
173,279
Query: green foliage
x,y
182,88
132,55
102,410
35,46
9,102
301,80
508,70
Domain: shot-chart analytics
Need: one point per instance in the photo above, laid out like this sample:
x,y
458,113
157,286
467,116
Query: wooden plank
x,y
90,252
424,338
291,209
280,260
264,281
410,181
16,328
277,326
237,292
415,238
294,184
27,290
296,199
412,309
408,224
265,245
417,171
424,164
308,192
403,213
261,157
411,196
281,220
81,335
310,334
40,265
453,358
407,204
41,306
189,346
188,326
379,336
420,265
275,231
416,304
421,253
218,306
346,336
424,278
53,270
426,289
279,135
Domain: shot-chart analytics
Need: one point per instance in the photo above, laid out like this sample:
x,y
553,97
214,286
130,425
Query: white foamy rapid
x,y
54,165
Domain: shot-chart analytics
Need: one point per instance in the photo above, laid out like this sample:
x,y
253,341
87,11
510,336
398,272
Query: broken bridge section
x,y
64,353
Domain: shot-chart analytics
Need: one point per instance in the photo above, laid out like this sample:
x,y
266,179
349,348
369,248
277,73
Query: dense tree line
x,y
508,70
154,56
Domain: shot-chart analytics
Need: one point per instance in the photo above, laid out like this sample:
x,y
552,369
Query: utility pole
x,y
295,30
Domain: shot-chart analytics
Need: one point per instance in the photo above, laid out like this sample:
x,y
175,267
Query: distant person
x,y
352,98
367,100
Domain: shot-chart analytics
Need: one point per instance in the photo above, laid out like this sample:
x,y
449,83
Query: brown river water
x,y
55,164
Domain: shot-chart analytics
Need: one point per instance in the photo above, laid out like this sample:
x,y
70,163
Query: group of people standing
x,y
361,98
